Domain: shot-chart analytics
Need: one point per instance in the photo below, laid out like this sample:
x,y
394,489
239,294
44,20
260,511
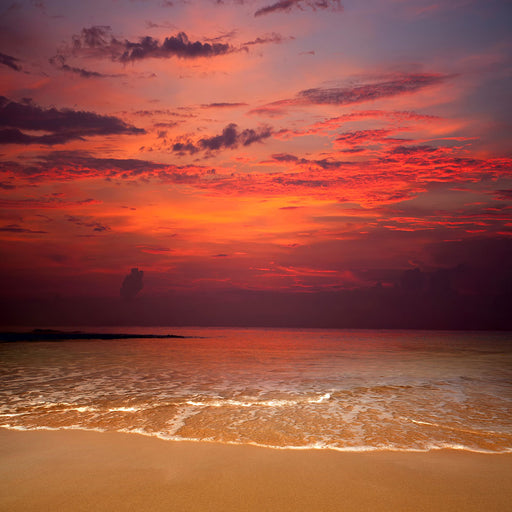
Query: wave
x,y
36,407
65,407
456,429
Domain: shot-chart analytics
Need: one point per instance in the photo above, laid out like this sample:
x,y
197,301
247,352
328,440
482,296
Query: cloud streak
x,y
343,96
270,38
288,5
10,62
59,61
223,105
98,227
394,86
16,228
74,165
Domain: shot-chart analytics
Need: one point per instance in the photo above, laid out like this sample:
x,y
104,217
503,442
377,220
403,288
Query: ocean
x,y
347,390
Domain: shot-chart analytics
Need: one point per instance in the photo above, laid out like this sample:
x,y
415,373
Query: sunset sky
x,y
247,151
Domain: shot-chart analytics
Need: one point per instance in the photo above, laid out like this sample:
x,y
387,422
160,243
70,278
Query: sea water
x,y
349,390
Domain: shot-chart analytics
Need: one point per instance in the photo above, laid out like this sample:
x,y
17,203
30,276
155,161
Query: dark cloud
x,y
166,125
87,223
63,125
98,41
222,37
177,46
98,36
285,157
10,62
185,147
352,150
411,150
162,112
16,228
324,163
270,38
132,284
230,138
288,5
504,194
7,185
59,61
165,24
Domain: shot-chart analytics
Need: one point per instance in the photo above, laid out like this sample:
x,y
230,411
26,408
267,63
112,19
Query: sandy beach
x,y
90,471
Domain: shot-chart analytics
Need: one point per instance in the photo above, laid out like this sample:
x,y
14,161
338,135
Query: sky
x,y
261,162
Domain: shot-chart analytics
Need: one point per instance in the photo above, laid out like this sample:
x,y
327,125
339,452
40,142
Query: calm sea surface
x,y
335,389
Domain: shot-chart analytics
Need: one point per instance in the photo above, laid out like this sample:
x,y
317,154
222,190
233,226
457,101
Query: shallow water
x,y
284,388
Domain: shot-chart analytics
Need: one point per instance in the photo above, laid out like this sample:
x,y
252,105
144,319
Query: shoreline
x,y
305,448
65,470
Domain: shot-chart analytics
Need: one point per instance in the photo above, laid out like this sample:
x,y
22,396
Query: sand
x,y
92,471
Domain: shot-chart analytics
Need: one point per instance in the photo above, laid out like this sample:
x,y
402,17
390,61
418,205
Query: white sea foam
x,y
242,403
456,429
179,419
47,427
258,403
84,408
125,409
324,398
65,407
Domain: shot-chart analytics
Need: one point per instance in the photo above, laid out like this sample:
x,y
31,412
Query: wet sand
x,y
90,471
